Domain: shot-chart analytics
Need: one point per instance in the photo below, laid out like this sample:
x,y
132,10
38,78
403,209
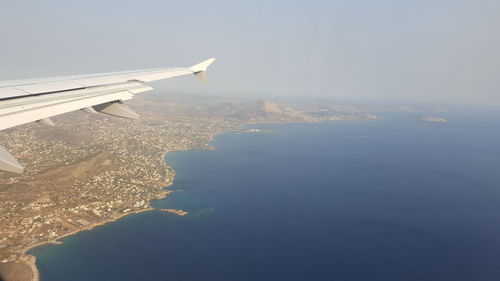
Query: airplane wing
x,y
24,101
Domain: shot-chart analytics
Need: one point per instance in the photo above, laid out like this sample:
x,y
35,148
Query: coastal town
x,y
92,169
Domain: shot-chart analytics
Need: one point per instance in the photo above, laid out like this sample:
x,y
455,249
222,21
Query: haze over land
x,y
443,51
278,62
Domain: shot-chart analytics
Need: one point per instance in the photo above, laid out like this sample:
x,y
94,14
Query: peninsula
x,y
175,211
90,170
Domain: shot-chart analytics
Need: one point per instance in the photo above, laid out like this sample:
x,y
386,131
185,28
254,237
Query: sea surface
x,y
391,199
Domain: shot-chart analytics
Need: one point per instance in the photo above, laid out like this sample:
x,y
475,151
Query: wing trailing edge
x,y
35,100
8,163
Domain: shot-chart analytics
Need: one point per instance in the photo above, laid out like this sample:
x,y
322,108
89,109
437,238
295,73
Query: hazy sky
x,y
431,51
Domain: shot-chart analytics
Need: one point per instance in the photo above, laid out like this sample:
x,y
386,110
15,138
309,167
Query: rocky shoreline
x,y
26,260
175,211
30,260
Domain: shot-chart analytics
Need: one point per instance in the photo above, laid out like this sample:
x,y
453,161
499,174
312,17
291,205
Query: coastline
x,y
135,169
34,270
30,260
86,228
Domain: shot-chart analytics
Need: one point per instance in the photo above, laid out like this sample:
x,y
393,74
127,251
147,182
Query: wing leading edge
x,y
24,101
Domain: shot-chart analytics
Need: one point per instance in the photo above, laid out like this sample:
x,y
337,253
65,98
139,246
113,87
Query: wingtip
x,y
202,66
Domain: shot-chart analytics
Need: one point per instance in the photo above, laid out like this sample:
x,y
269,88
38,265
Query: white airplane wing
x,y
24,101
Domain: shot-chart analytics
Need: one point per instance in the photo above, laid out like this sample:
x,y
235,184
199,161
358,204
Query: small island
x,y
434,119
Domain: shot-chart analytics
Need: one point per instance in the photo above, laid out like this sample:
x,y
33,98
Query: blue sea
x,y
389,199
